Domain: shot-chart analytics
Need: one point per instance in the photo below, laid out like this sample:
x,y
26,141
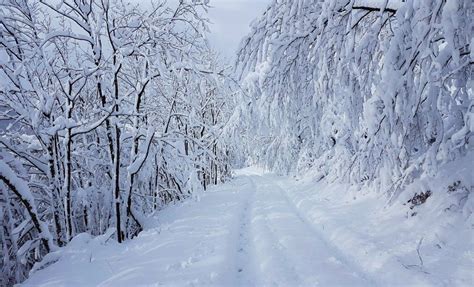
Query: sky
x,y
230,23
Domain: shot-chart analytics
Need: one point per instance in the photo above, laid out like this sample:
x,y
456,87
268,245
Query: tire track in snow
x,y
255,236
244,272
349,264
288,251
275,267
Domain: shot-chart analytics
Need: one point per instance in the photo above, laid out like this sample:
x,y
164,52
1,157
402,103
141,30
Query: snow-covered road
x,y
248,232
283,249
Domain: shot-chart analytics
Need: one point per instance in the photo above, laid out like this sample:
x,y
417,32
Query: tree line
x,y
108,111
375,93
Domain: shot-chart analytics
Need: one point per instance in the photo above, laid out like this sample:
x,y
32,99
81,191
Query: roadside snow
x,y
264,230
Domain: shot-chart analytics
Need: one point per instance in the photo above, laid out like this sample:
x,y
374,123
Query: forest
x,y
111,111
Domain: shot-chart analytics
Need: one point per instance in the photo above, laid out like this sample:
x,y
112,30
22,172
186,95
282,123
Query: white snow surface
x,y
265,230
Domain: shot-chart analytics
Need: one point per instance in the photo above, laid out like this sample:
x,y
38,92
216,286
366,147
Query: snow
x,y
138,162
20,185
22,190
391,4
3,57
265,230
373,99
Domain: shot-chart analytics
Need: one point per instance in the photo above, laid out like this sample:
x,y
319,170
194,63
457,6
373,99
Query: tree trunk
x,y
117,185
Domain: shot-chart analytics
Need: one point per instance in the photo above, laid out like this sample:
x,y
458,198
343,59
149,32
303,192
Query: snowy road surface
x,y
244,233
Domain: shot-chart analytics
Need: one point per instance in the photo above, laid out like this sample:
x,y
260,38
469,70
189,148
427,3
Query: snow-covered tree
x,y
364,91
109,110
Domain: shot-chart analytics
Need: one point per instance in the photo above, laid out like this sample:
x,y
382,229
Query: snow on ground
x,y
264,230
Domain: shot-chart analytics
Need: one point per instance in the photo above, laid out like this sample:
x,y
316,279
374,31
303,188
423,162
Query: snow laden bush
x,y
108,111
370,92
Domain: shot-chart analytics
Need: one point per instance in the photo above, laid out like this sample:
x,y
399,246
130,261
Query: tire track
x,y
245,270
291,250
336,252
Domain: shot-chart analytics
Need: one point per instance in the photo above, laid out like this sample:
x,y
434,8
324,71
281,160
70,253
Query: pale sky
x,y
230,22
